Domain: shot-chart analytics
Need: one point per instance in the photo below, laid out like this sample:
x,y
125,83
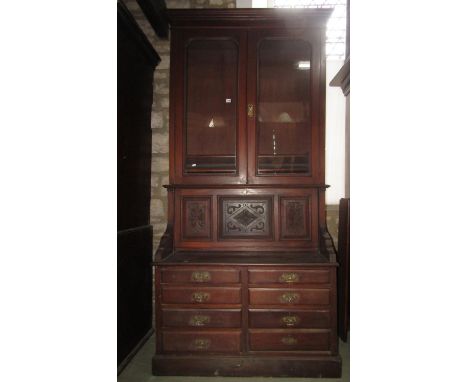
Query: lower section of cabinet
x,y
236,319
248,366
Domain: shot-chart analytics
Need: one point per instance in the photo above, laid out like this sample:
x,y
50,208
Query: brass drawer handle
x,y
289,297
289,340
201,277
201,343
200,296
289,277
290,320
199,320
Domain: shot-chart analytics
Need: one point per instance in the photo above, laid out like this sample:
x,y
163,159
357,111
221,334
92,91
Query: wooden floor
x,y
139,370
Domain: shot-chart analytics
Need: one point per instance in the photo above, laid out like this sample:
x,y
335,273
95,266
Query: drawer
x,y
200,275
187,341
274,296
289,318
289,276
289,340
207,318
206,295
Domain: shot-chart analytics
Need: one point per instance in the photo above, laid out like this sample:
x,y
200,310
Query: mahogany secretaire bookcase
x,y
246,270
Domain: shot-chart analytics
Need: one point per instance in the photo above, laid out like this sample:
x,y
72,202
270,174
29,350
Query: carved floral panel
x,y
294,218
245,217
196,218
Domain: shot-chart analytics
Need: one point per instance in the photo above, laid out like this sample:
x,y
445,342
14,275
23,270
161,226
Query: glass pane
x,y
211,106
283,120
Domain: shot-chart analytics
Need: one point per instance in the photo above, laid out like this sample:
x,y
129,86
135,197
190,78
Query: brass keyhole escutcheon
x,y
251,110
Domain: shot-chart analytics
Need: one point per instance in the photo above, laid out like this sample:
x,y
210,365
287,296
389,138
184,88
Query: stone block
x,y
160,164
160,143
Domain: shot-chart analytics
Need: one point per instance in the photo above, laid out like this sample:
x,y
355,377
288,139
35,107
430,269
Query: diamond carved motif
x,y
245,217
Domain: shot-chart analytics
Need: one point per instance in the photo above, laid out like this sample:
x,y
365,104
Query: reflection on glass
x,y
211,96
283,119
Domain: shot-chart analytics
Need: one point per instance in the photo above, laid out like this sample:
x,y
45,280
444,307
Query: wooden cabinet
x,y
246,272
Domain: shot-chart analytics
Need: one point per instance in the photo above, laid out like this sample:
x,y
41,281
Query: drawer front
x,y
273,296
196,342
313,276
289,319
184,295
202,318
289,340
200,275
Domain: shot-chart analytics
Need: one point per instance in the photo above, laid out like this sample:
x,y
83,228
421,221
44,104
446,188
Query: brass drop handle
x,y
250,110
289,340
289,277
201,277
201,343
200,296
289,297
290,320
199,320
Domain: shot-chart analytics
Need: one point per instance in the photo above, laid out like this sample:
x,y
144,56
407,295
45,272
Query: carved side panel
x,y
294,218
196,218
247,218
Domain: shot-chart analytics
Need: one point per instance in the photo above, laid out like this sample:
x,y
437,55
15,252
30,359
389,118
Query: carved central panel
x,y
245,217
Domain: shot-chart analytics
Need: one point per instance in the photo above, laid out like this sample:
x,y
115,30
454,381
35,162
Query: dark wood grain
x,y
136,60
343,271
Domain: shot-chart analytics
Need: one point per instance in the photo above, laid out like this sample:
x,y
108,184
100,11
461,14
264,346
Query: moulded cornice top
x,y
252,17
